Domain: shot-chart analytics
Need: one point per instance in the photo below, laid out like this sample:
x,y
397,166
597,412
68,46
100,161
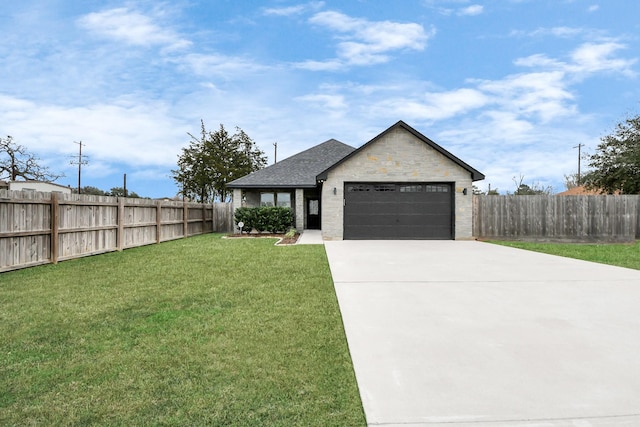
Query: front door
x,y
313,214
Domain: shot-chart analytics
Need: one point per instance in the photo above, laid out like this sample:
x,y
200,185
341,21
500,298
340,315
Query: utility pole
x,y
275,152
579,147
79,162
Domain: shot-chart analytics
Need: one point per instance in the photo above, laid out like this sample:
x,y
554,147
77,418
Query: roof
x,y
475,174
297,171
36,182
581,190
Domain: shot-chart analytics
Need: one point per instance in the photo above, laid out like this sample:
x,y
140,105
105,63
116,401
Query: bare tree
x,y
17,162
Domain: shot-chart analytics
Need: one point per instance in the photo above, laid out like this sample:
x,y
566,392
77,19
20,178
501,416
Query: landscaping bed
x,y
284,239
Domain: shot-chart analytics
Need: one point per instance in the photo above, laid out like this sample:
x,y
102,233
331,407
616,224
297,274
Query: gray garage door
x,y
398,211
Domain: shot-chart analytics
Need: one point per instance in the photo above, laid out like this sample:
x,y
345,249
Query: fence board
x,y
40,228
558,218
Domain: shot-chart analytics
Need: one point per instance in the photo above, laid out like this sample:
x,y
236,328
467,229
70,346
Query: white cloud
x,y
293,10
472,10
433,106
593,8
365,42
596,57
329,65
135,132
131,27
325,101
588,58
219,65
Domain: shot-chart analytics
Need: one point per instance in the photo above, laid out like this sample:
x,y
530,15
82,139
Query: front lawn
x,y
622,255
198,331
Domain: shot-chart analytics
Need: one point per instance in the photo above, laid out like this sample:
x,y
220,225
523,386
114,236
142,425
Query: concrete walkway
x,y
310,237
469,334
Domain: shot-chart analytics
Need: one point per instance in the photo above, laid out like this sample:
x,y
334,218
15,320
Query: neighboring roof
x,y
297,171
475,175
581,190
33,181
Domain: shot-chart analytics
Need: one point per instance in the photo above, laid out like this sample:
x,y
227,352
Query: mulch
x,y
284,241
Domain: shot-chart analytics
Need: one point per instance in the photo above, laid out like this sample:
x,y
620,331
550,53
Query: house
x,y
399,185
42,186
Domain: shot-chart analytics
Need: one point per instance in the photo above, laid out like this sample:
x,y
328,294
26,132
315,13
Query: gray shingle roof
x,y
297,171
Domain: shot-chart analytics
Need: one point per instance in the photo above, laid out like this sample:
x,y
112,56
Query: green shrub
x,y
267,218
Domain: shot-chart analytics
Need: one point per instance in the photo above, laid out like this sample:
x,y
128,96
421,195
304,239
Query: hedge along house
x,y
399,185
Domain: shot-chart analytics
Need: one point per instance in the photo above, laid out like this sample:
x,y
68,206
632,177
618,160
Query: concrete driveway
x,y
470,334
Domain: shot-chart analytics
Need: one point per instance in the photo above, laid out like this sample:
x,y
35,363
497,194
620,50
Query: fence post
x,y
185,219
55,227
120,237
158,220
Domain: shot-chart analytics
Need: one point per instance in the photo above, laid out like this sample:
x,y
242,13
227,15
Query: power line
x,y
579,147
79,161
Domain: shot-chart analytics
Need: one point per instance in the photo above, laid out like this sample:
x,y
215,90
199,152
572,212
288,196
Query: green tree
x,y
616,162
523,189
211,161
90,190
16,162
119,192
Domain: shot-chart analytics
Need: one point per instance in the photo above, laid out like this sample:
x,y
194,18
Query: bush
x,y
266,218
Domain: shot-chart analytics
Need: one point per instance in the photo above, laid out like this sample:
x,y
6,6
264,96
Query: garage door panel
x,y
398,211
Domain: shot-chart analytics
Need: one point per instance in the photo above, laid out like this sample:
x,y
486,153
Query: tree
x,y
571,181
16,162
211,161
90,190
490,191
523,189
616,163
119,192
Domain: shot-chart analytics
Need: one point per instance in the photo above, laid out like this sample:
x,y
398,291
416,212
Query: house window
x,y
384,187
283,200
356,187
431,188
275,199
267,199
410,188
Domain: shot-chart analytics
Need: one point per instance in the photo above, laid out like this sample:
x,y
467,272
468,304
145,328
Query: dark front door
x,y
313,214
398,211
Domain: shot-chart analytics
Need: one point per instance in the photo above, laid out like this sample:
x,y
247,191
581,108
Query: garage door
x,y
398,211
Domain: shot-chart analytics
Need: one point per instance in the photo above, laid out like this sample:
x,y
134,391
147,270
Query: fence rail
x,y
557,218
41,228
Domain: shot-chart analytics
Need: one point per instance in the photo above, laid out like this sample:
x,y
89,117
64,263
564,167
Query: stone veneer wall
x,y
398,156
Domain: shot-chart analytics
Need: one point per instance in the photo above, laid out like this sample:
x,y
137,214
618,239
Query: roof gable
x,y
475,174
297,171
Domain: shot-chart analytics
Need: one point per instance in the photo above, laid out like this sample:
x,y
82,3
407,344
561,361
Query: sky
x,y
511,87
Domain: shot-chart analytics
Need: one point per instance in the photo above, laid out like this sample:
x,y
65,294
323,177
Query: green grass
x,y
622,255
199,331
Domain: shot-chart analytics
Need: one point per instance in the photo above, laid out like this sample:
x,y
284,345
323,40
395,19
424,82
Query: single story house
x,y
399,185
41,186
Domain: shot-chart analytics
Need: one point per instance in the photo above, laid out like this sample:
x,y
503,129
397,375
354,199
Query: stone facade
x,y
397,156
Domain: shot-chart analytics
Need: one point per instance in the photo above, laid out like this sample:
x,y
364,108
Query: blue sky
x,y
509,86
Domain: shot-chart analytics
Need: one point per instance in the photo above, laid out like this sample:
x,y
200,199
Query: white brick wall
x,y
396,157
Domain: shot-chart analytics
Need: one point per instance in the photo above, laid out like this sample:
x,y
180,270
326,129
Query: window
x,y
275,199
384,187
411,188
357,187
267,199
283,200
432,188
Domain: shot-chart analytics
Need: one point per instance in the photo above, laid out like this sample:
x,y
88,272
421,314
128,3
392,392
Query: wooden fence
x,y
40,228
557,218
